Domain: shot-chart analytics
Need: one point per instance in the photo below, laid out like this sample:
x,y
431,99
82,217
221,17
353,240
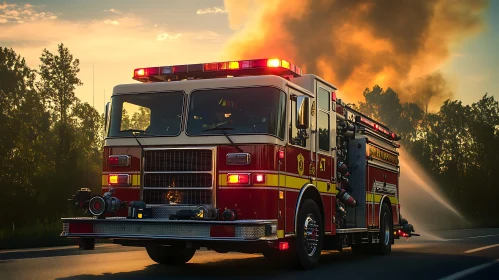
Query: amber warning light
x,y
267,66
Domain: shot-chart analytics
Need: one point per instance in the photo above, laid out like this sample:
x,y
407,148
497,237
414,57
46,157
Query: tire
x,y
86,244
308,253
170,255
384,247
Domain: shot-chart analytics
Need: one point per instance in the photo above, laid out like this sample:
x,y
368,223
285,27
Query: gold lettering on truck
x,y
383,155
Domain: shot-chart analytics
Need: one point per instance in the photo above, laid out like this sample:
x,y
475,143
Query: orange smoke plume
x,y
356,44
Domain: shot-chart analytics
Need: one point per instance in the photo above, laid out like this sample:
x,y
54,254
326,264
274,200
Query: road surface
x,y
463,254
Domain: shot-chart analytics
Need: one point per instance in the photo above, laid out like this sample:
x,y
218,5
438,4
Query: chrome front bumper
x,y
123,228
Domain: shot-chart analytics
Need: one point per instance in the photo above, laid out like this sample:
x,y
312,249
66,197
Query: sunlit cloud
x,y
214,10
14,13
166,36
114,11
114,49
112,22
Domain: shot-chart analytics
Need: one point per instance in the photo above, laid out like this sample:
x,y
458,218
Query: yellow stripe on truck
x,y
286,181
377,198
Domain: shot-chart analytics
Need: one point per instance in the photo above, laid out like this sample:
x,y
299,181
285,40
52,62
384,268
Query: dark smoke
x,y
358,43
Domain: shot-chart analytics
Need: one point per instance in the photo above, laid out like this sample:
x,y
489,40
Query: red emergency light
x,y
378,128
254,67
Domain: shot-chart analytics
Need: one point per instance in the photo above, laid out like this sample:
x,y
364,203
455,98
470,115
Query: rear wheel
x,y
384,246
87,244
170,255
309,235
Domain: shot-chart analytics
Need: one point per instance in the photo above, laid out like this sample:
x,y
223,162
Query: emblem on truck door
x,y
301,164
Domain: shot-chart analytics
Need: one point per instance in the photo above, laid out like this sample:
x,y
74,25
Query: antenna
x,y
93,85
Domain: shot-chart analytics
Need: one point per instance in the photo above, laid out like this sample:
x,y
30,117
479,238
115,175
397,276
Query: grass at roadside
x,y
39,234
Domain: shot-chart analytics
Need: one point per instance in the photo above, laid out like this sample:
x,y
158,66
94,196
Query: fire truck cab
x,y
250,156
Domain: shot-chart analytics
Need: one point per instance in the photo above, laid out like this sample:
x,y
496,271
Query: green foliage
x,y
458,145
50,142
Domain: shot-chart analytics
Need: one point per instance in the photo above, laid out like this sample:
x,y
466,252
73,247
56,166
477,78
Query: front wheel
x,y
309,235
170,255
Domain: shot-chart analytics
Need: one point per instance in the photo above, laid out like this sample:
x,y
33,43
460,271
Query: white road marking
x,y
482,236
469,271
481,248
471,237
52,248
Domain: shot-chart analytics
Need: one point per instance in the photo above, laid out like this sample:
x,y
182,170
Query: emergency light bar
x,y
377,127
268,66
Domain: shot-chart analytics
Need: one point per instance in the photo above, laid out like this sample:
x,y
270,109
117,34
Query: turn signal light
x,y
118,179
238,179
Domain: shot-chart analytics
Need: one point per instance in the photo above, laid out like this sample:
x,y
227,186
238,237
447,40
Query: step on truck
x,y
248,156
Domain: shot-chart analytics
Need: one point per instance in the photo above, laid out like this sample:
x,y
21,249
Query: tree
x,y
24,129
58,75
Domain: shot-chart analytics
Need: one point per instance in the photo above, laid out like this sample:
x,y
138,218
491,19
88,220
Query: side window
x,y
294,137
323,124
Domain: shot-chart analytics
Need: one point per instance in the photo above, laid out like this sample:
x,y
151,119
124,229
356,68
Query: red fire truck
x,y
248,156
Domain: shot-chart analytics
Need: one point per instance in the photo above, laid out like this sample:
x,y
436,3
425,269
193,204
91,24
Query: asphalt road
x,y
463,254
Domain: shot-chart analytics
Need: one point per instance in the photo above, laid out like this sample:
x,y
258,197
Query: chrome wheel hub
x,y
386,222
311,234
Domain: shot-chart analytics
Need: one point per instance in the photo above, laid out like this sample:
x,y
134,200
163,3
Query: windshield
x,y
150,114
259,110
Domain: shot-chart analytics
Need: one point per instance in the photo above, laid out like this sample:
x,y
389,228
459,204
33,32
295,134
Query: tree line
x,y
51,143
458,146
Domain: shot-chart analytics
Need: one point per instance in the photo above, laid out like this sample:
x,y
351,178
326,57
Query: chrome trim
x,y
351,230
373,192
124,219
177,172
236,155
250,181
128,180
128,160
175,188
129,172
248,188
181,148
136,236
390,189
298,202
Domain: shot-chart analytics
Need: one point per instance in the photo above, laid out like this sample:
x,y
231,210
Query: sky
x,y
113,37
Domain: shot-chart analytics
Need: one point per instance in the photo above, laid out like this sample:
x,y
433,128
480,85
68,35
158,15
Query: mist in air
x,y
422,202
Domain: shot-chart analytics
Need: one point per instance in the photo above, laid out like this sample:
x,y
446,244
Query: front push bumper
x,y
162,229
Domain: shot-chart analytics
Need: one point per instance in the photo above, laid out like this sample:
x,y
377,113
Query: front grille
x,y
178,176
178,160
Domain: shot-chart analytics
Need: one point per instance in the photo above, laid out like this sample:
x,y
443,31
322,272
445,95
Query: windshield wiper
x,y
223,130
134,131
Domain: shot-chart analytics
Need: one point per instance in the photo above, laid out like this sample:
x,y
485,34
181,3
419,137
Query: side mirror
x,y
302,112
106,117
